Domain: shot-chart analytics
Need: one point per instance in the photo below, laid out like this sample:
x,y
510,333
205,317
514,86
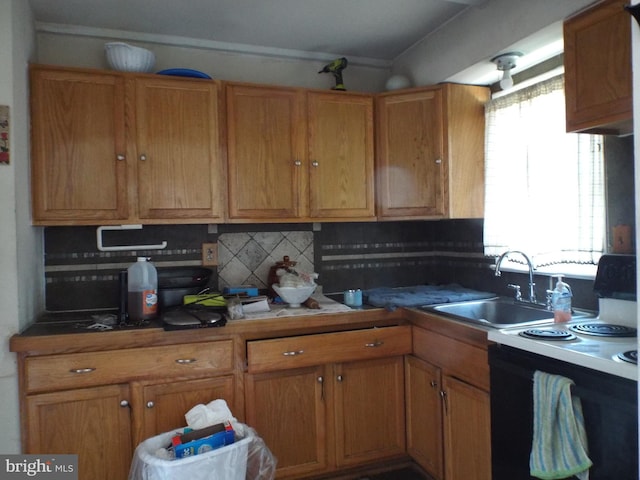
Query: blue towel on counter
x,y
559,447
416,296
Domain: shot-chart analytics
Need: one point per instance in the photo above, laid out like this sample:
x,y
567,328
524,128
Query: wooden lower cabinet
x,y
102,404
325,417
104,424
93,423
424,415
331,401
369,416
467,431
448,407
288,410
161,406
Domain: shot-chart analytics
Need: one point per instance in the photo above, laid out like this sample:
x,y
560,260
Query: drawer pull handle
x,y
82,370
376,343
124,403
293,353
186,361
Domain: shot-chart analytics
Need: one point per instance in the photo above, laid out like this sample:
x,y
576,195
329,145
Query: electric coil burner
x,y
630,356
548,334
604,329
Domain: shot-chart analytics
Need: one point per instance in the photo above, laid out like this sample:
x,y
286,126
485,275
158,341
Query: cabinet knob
x,y
320,379
433,384
124,403
150,404
339,378
438,161
297,163
315,163
120,157
143,157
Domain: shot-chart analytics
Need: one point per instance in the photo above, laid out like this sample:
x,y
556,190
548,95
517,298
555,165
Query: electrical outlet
x,y
209,254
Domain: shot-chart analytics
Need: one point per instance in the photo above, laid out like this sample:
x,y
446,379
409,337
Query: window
x,y
544,187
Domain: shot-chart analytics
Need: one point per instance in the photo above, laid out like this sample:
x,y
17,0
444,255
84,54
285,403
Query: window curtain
x,y
544,187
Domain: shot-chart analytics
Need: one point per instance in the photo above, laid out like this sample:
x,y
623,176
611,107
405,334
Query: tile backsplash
x,y
345,255
246,257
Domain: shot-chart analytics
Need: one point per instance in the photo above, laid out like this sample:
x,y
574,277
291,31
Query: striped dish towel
x,y
559,447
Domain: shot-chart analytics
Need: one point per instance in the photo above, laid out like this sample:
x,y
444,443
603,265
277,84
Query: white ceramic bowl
x,y
127,58
294,296
397,82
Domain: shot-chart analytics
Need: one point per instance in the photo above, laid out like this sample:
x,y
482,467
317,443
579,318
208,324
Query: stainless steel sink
x,y
499,312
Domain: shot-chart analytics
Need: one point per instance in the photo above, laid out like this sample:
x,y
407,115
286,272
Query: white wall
x,y
478,34
21,273
472,38
88,51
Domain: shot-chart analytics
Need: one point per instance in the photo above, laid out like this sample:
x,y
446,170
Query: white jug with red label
x,y
142,290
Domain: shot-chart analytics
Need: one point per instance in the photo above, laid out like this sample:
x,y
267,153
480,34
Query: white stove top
x,y
596,352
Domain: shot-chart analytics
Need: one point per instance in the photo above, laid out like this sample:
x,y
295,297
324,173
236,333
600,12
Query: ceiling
x,y
365,31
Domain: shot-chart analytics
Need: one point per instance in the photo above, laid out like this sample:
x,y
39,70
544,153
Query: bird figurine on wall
x,y
335,68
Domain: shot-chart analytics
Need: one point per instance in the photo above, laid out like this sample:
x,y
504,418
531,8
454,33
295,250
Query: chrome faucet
x,y
532,291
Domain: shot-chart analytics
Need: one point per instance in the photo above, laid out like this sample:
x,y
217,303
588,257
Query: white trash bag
x,y
248,458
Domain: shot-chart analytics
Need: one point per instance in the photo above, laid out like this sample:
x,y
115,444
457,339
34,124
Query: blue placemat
x,y
416,296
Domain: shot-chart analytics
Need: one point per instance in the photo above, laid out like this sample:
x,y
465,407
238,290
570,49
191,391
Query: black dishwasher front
x,y
610,406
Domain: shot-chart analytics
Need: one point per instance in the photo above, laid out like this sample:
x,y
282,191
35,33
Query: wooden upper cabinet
x,y
430,152
598,78
410,152
78,153
179,169
265,128
110,147
296,155
341,181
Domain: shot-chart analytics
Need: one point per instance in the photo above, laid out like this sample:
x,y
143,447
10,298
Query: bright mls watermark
x,y
50,467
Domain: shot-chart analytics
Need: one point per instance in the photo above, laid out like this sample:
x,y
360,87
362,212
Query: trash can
x,y
225,463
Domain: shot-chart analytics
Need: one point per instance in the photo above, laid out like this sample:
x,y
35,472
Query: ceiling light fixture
x,y
505,63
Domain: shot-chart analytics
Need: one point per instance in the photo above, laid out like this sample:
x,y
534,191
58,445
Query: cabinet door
x,y
467,431
287,409
164,405
92,422
266,157
78,153
179,167
369,410
598,79
424,415
341,182
411,172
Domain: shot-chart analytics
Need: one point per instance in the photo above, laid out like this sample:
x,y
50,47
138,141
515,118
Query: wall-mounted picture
x,y
4,134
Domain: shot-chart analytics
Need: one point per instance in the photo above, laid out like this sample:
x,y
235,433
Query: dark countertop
x,y
66,333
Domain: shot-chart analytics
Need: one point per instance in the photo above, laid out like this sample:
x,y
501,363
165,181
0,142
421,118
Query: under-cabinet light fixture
x,y
505,63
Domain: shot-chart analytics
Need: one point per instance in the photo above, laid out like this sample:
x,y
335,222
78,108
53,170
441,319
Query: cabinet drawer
x,y
59,372
456,358
304,351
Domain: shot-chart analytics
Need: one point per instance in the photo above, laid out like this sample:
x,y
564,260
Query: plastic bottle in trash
x,y
142,286
561,301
